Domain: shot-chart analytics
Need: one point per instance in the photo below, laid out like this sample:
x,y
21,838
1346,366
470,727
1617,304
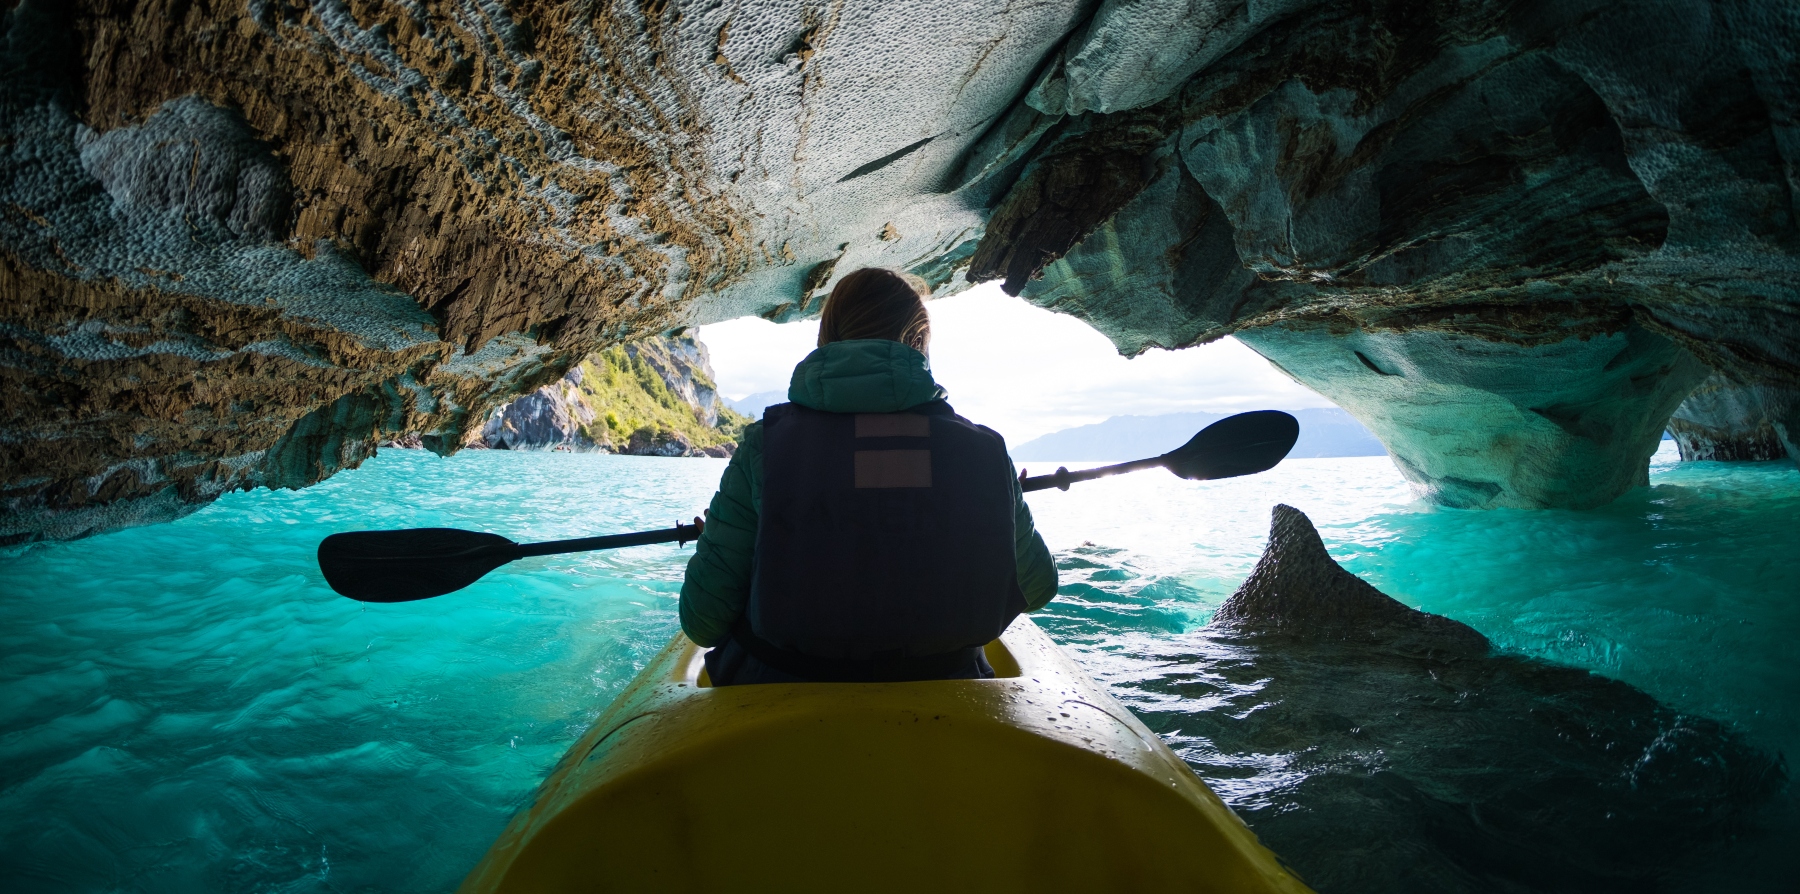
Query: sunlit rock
x,y
1726,420
651,397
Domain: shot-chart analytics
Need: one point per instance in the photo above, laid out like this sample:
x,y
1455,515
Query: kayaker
x,y
863,531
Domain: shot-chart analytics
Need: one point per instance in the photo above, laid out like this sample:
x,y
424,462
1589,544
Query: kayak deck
x,y
1035,780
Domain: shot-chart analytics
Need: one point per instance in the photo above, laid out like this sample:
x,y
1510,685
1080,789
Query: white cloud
x,y
1026,371
751,354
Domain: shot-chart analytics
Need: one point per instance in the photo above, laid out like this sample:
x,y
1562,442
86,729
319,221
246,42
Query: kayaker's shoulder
x,y
752,437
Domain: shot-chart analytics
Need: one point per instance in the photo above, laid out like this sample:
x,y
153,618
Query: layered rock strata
x,y
240,243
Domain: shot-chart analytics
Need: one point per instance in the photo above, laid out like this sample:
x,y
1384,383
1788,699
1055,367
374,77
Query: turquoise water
x,y
185,707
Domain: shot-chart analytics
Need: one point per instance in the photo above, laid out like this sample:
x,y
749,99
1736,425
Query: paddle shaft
x,y
677,534
1062,478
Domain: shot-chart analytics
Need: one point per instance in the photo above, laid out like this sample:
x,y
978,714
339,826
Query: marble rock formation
x,y
1544,418
1403,726
242,243
1297,589
596,406
1727,420
553,416
1507,200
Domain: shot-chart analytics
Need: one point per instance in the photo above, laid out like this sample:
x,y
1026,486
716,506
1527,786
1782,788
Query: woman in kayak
x,y
864,531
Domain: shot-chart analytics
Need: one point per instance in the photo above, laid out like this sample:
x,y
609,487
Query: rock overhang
x,y
244,243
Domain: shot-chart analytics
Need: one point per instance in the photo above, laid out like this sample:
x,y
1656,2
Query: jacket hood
x,y
864,376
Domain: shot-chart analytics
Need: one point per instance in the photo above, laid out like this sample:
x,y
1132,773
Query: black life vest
x,y
883,536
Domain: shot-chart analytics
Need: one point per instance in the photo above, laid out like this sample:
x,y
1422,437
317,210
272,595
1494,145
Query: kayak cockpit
x,y
1036,780
690,668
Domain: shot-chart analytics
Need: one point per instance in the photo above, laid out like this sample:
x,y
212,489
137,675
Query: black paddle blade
x,y
401,566
1244,444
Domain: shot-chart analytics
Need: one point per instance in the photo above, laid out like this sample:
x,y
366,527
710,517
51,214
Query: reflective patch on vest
x,y
893,468
893,425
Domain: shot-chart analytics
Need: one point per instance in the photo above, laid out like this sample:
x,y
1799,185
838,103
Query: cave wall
x,y
1475,423
1730,421
1556,217
241,243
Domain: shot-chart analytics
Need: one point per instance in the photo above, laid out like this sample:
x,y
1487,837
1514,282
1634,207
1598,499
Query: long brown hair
x,y
876,302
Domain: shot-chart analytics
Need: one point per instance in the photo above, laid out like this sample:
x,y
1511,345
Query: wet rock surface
x,y
1407,728
1297,590
240,244
1479,423
1727,420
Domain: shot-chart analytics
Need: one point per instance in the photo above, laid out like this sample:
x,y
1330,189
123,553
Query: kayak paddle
x,y
1244,444
419,563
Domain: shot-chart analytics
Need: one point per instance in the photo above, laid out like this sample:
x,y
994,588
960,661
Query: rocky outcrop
x,y
686,370
1406,726
1536,419
1484,195
241,243
1731,421
556,416
1297,590
652,397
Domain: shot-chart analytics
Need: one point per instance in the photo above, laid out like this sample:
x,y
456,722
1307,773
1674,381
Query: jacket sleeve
x,y
1037,571
718,576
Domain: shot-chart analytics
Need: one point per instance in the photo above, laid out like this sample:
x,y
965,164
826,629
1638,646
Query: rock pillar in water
x,y
1297,589
1521,421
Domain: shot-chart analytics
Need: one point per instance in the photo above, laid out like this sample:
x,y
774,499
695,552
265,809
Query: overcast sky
x,y
1025,371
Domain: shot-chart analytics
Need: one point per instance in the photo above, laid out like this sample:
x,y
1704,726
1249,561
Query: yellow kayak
x,y
1036,780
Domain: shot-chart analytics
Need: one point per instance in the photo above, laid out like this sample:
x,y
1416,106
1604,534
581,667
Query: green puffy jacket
x,y
863,376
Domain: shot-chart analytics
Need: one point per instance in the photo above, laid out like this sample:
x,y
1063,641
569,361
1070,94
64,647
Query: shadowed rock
x,y
1383,749
1730,421
1296,588
1507,235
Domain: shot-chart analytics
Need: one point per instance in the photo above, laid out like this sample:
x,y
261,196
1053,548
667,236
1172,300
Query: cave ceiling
x,y
243,242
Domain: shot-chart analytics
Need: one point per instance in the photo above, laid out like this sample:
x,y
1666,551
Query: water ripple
x,y
187,708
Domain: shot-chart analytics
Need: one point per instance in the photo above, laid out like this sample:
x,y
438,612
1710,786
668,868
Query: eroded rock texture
x,y
1525,420
1297,589
1536,210
1727,420
243,241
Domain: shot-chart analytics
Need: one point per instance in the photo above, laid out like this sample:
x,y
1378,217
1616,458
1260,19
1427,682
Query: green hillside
x,y
627,394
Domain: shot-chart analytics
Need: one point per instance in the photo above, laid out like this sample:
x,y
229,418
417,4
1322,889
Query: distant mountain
x,y
754,405
1326,431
